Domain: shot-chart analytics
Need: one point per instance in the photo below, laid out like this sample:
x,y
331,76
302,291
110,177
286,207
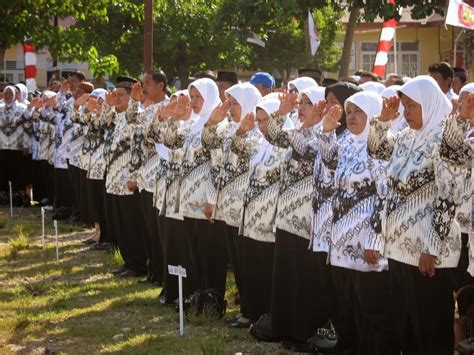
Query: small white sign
x,y
177,270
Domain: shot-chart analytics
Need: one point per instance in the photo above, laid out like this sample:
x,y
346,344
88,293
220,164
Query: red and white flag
x,y
314,39
384,46
460,14
30,66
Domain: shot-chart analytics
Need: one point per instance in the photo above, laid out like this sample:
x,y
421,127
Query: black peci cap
x,y
229,76
125,82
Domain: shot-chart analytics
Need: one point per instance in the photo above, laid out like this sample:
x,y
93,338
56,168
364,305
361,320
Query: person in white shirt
x,y
422,238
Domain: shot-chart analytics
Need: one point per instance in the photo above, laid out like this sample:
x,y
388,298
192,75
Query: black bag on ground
x,y
262,329
209,303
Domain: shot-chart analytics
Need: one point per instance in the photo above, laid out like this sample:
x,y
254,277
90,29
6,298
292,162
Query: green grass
x,y
78,306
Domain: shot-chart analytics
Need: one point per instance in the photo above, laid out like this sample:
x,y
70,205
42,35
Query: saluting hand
x,y
110,98
219,113
316,112
331,119
246,124
288,101
64,87
390,109
137,92
183,109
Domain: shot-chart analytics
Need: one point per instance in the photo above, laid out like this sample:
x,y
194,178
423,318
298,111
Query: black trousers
x,y
152,239
63,192
257,270
128,227
463,278
87,214
109,219
301,297
40,179
74,177
95,197
207,246
11,163
176,252
50,170
424,309
234,243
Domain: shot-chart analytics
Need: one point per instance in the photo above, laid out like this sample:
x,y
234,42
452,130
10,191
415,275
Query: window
x,y
407,58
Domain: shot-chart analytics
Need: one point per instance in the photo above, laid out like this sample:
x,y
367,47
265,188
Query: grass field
x,y
77,306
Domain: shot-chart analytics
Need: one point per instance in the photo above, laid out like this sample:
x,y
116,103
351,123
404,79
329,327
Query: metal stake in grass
x,y
57,246
11,199
42,224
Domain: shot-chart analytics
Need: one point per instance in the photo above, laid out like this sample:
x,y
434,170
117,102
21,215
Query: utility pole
x,y
148,37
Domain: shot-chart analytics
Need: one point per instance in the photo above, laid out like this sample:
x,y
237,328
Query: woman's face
x,y
356,119
413,114
331,100
8,96
262,120
197,101
235,109
303,107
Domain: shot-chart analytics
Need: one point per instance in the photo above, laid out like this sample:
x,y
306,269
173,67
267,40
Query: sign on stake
x,y
180,272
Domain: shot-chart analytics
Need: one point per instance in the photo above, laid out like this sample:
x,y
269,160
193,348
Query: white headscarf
x,y
467,88
209,92
369,102
23,93
246,95
180,93
272,95
270,105
48,94
373,86
435,106
314,94
99,93
302,83
12,89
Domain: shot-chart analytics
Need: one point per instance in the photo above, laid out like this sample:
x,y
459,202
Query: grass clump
x,y
21,242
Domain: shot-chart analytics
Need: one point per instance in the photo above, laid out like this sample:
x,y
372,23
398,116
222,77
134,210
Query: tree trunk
x,y
3,49
181,65
346,51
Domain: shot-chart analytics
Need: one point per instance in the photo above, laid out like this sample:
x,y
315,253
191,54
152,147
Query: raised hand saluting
x,y
288,101
331,119
165,111
316,112
219,113
110,98
183,109
246,124
390,109
137,92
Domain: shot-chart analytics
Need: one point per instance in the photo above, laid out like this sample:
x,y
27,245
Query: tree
x,y
33,21
385,10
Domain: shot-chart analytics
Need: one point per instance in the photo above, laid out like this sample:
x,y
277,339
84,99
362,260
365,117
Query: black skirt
x,y
62,189
87,214
301,290
257,262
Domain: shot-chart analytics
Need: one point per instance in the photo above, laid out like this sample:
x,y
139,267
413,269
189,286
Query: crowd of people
x,y
339,202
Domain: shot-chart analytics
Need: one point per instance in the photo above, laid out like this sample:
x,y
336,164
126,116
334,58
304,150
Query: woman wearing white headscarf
x,y
259,212
422,238
301,83
230,171
11,140
373,86
359,270
457,149
207,248
294,280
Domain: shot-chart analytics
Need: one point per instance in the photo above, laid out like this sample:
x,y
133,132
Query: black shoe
x,y
119,271
241,324
101,246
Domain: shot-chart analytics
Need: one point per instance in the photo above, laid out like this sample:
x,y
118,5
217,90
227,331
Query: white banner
x,y
460,14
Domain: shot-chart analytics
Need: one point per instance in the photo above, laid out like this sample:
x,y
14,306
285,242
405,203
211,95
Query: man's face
x,y
223,86
121,99
151,89
443,83
457,84
73,82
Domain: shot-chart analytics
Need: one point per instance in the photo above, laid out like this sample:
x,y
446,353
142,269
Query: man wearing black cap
x,y
226,79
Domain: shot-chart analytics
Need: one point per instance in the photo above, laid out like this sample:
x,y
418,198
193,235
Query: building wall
x,y
13,67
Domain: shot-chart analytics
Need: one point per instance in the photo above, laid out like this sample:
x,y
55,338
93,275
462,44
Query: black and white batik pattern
x,y
11,126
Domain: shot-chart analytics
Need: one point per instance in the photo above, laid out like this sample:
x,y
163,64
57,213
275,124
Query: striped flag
x,y
30,66
384,46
